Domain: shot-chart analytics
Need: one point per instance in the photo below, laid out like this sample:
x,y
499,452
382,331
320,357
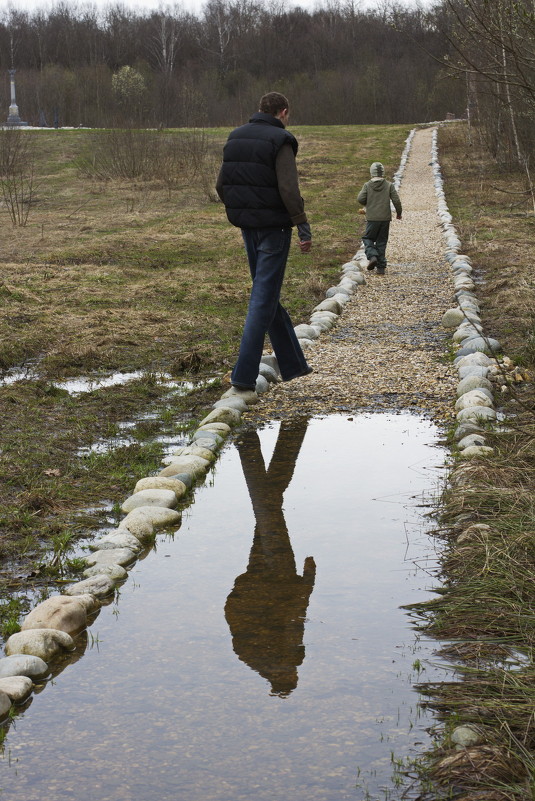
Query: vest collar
x,y
259,116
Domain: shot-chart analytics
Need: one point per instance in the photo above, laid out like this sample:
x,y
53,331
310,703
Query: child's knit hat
x,y
377,170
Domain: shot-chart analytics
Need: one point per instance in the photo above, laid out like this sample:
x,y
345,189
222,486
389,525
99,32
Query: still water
x,y
260,652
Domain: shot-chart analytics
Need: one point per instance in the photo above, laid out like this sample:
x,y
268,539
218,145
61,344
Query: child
x,y
376,196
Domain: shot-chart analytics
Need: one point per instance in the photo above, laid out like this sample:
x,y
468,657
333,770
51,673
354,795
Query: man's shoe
x,y
372,262
381,270
300,375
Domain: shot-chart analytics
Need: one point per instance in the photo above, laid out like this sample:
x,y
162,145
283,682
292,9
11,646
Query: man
x,y
259,186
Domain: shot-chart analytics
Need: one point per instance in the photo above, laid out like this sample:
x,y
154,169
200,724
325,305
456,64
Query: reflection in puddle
x,y
200,690
267,606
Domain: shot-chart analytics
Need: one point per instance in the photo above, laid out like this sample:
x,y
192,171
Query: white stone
x,y
476,414
472,382
323,325
476,450
271,360
23,665
222,415
477,358
210,442
339,298
117,539
261,385
150,497
158,482
452,318
232,402
5,705
115,572
305,331
473,398
268,373
465,330
466,736
138,524
100,586
112,556
17,688
192,450
61,612
248,395
43,643
158,516
194,465
329,304
469,440
473,370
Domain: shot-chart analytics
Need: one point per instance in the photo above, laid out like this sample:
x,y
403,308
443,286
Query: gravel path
x,y
387,350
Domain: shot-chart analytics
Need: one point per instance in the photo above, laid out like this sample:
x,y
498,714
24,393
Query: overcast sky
x,y
189,5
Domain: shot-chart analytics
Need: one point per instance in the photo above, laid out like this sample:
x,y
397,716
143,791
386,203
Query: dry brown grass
x,y
486,610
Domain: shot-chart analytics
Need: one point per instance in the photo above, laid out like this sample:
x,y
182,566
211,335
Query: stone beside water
x,y
150,497
99,585
158,516
194,465
115,572
17,688
43,643
222,415
5,705
118,539
61,612
111,556
138,524
232,402
23,665
159,482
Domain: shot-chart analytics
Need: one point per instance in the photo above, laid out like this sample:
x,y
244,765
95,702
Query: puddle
x,y
77,386
260,652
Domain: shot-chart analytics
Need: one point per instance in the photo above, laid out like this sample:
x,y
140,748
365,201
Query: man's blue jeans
x,y
267,251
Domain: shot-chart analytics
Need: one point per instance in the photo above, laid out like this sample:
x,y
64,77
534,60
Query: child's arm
x,y
396,201
363,195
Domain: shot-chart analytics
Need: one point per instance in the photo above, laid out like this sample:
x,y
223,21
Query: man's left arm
x,y
288,184
219,185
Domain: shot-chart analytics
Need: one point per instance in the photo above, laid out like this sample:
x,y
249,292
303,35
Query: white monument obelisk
x,y
13,116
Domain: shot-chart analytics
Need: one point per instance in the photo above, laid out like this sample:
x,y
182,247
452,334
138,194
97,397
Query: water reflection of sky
x,y
165,706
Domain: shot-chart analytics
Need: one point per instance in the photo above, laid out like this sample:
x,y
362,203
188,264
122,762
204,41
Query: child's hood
x,y
377,184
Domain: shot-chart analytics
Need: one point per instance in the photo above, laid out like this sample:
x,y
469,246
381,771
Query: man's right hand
x,y
305,237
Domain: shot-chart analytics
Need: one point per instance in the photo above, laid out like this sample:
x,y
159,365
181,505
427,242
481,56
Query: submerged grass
x,y
485,613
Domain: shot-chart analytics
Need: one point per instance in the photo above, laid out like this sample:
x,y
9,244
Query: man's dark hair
x,y
273,103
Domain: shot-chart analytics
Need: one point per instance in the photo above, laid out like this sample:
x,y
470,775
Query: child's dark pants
x,y
375,240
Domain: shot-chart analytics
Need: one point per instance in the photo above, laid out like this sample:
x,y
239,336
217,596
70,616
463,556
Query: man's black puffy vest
x,y
252,198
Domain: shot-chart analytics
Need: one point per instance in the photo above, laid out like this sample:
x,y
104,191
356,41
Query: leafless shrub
x,y
133,154
17,175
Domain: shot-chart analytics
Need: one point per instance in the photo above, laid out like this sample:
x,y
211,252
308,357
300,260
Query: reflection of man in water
x,y
267,606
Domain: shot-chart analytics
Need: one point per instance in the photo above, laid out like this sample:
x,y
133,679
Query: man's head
x,y
377,170
275,104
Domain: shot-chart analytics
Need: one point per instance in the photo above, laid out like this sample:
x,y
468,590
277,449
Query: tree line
x,y
339,64
76,66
